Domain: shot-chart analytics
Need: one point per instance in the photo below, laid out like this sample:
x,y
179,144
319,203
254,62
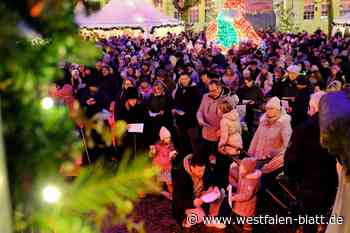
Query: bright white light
x,y
47,103
51,194
139,19
131,3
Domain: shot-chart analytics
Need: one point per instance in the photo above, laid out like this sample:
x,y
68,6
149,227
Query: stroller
x,y
282,193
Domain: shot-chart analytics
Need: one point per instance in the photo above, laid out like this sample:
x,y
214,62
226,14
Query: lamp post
x,y
5,212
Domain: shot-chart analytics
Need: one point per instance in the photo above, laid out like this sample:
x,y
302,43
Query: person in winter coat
x,y
132,111
254,70
209,116
264,80
159,107
231,79
300,105
252,96
272,137
187,99
163,152
230,130
312,166
230,142
204,82
192,181
145,90
287,84
244,200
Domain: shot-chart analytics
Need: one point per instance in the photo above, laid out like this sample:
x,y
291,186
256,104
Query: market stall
x,y
131,17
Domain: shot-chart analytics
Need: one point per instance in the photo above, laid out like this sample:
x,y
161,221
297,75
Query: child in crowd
x,y
230,130
162,153
243,200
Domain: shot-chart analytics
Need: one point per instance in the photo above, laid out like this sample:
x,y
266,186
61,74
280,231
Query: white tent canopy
x,y
341,24
345,19
125,13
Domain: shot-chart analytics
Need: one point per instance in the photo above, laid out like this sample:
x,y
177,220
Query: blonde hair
x,y
225,107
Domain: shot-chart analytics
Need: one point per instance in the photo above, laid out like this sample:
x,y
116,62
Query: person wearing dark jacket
x,y
252,96
159,107
96,98
133,112
191,182
254,70
311,166
204,82
187,99
301,102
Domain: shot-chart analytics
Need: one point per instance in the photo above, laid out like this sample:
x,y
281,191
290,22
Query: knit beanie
x,y
274,102
164,133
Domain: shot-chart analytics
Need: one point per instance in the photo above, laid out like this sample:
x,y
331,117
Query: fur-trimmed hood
x,y
283,119
254,175
232,116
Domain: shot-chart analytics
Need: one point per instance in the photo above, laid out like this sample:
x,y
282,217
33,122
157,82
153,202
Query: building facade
x,y
202,13
309,15
197,16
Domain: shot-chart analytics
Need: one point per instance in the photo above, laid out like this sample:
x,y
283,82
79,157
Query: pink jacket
x,y
245,199
230,130
162,158
271,141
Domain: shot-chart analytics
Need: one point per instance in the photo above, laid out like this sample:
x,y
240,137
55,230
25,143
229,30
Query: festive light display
x,y
226,31
246,30
226,35
233,4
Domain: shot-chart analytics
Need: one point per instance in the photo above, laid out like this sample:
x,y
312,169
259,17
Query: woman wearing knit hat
x,y
272,137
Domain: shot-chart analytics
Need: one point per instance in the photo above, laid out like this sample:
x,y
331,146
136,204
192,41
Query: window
x,y
344,7
309,12
158,3
194,15
325,9
209,8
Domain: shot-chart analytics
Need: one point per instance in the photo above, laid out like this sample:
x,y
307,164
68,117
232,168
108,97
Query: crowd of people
x,y
218,122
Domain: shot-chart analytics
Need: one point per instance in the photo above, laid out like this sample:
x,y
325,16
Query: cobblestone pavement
x,y
155,212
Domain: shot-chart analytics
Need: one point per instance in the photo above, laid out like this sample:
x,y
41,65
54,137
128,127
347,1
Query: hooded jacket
x,y
271,140
230,130
209,115
245,198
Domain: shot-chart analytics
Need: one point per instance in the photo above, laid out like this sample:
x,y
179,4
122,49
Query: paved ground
x,y
155,212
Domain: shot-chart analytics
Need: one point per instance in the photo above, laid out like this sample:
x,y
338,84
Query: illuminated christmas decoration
x,y
240,29
233,4
226,31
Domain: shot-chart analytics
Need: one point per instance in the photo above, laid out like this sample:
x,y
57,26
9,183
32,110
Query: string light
x,y
233,4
